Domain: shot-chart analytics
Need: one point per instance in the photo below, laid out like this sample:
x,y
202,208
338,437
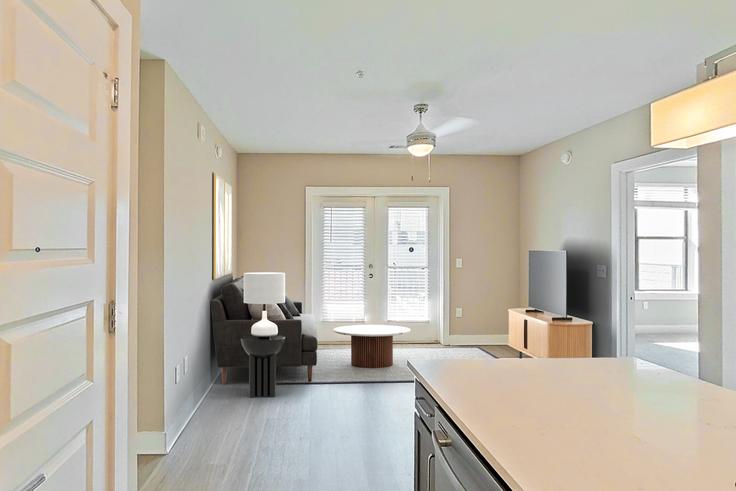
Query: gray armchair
x,y
231,321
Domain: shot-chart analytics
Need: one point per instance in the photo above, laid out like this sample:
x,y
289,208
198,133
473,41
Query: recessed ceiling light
x,y
360,74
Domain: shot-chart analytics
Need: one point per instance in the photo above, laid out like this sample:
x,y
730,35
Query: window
x,y
666,238
343,264
408,264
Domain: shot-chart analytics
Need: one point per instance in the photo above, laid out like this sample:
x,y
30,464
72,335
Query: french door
x,y
376,261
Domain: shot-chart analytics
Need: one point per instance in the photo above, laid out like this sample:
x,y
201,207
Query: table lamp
x,y
264,288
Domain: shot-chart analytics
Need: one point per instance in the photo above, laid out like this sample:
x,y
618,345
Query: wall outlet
x,y
186,364
458,312
600,271
645,305
458,262
177,373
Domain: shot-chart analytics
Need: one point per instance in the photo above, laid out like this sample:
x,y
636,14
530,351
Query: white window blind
x,y
343,264
671,194
408,264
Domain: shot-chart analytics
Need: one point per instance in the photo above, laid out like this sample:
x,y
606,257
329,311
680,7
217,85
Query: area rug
x,y
333,365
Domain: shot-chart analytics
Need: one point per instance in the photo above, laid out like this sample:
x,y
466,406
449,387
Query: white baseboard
x,y
666,329
156,442
474,340
151,443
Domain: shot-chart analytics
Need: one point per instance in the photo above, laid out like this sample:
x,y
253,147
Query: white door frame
x,y
622,253
122,22
442,194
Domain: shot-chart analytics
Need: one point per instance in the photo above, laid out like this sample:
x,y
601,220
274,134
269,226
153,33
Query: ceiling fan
x,y
422,141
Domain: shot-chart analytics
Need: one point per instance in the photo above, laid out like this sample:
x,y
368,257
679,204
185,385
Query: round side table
x,y
262,363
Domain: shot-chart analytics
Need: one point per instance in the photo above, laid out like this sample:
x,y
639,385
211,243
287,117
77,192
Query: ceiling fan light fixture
x,y
420,149
421,141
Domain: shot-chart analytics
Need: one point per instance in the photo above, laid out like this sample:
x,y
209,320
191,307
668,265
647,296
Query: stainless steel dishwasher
x,y
456,465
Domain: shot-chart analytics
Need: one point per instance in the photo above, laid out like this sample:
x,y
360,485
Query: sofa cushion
x,y
291,307
285,311
232,298
273,311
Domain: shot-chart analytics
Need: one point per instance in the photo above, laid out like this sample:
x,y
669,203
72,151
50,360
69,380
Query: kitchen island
x,y
578,424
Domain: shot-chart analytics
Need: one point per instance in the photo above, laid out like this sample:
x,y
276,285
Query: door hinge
x,y
112,317
115,93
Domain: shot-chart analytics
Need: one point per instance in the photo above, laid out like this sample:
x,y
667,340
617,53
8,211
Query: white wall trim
x,y
312,194
622,287
477,339
151,443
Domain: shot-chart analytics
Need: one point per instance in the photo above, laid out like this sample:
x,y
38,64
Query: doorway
x,y
658,259
376,257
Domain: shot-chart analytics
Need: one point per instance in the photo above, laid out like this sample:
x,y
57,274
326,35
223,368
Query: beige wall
x,y
484,221
569,207
151,251
175,248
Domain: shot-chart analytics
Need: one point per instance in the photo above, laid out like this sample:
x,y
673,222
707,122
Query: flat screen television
x,y
548,281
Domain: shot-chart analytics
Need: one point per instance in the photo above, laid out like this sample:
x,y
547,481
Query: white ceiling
x,y
278,75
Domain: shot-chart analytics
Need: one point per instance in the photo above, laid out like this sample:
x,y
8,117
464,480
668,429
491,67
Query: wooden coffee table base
x,y
372,351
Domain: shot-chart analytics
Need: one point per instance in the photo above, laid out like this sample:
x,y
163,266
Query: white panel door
x,y
57,261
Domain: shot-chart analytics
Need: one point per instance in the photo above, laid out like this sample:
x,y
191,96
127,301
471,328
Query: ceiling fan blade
x,y
396,146
455,125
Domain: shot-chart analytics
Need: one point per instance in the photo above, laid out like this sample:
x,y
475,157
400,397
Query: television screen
x,y
548,281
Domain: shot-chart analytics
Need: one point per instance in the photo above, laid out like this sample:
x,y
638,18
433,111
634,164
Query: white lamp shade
x,y
264,288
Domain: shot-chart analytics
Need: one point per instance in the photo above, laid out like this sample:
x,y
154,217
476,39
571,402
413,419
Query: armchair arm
x,y
291,353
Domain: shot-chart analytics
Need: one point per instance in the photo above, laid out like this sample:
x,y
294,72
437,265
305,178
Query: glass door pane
x,y
343,264
408,264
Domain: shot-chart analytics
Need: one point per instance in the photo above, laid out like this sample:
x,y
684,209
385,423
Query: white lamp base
x,y
264,327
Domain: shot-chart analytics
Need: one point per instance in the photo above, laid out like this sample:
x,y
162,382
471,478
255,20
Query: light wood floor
x,y
309,437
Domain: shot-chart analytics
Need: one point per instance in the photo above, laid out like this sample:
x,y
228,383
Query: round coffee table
x,y
372,345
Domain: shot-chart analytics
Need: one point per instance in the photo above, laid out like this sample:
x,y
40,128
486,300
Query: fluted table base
x,y
372,351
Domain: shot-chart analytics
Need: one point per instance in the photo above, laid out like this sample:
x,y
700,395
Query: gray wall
x,y
569,207
667,313
176,248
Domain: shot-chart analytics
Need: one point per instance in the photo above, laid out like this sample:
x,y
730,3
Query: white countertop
x,y
597,423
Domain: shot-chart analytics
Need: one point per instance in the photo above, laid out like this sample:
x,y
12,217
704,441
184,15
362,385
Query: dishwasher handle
x,y
420,405
441,440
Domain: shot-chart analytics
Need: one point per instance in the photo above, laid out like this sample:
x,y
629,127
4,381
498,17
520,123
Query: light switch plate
x,y
458,262
186,364
177,373
458,312
600,271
